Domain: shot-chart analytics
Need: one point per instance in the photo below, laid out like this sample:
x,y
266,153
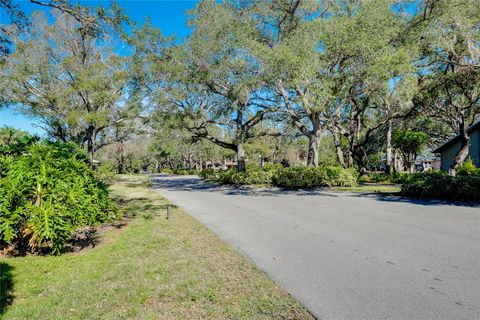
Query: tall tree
x,y
211,81
9,135
15,17
369,64
67,75
448,35
300,80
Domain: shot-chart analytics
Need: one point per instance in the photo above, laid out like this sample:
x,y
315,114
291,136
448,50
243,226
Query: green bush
x,y
208,174
468,169
185,172
401,177
107,172
47,191
253,175
379,177
311,177
439,185
250,176
182,172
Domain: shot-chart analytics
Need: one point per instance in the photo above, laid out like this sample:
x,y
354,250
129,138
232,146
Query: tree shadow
x,y
83,238
194,183
396,197
6,287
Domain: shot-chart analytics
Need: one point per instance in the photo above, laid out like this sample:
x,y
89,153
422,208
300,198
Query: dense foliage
x,y
292,178
439,185
311,177
468,168
47,191
410,144
253,175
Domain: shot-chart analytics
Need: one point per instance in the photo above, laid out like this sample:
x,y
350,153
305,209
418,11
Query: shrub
x,y
182,172
253,175
250,176
208,174
311,177
379,177
401,177
107,172
439,185
46,193
468,169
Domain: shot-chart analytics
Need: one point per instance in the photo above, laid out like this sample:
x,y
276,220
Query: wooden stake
x,y
169,212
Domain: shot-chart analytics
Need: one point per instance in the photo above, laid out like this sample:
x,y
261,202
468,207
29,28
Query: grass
x,y
369,188
152,268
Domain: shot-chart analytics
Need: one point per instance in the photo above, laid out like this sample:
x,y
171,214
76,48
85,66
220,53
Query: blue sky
x,y
169,16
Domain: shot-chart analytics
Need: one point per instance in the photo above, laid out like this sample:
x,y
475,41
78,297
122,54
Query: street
x,y
345,255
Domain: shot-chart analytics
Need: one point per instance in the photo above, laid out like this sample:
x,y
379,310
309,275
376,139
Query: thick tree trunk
x,y
339,150
313,149
462,154
351,160
389,163
241,166
91,149
120,157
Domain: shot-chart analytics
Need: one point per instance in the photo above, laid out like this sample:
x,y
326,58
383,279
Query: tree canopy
x,y
258,79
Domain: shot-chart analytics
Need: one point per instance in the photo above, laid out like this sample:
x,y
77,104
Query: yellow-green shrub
x,y
47,191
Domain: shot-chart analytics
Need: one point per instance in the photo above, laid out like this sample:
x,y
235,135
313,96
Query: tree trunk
x,y
241,166
120,157
350,158
313,149
389,163
462,154
91,149
362,160
338,147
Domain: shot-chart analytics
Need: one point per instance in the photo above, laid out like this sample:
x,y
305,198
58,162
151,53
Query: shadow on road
x,y
395,197
193,183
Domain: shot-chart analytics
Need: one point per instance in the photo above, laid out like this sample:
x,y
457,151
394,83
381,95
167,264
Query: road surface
x,y
348,256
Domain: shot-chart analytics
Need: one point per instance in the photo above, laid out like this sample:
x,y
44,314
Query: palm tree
x,y
8,135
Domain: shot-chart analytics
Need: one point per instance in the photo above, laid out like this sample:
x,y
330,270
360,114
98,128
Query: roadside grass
x,y
152,268
370,188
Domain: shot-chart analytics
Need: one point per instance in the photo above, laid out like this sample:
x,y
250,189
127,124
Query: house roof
x,y
447,144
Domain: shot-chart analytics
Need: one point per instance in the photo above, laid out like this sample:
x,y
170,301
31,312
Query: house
x,y
449,149
426,163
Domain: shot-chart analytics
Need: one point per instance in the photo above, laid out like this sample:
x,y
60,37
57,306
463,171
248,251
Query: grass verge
x,y
152,268
370,188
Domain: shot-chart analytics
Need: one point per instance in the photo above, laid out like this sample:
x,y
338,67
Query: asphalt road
x,y
349,256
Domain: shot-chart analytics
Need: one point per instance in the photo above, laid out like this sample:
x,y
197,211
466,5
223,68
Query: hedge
x,y
312,177
294,177
439,185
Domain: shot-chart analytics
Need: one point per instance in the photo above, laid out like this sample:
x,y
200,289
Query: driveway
x,y
348,256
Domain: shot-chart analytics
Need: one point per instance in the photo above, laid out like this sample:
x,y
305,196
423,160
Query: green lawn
x,y
152,268
370,187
